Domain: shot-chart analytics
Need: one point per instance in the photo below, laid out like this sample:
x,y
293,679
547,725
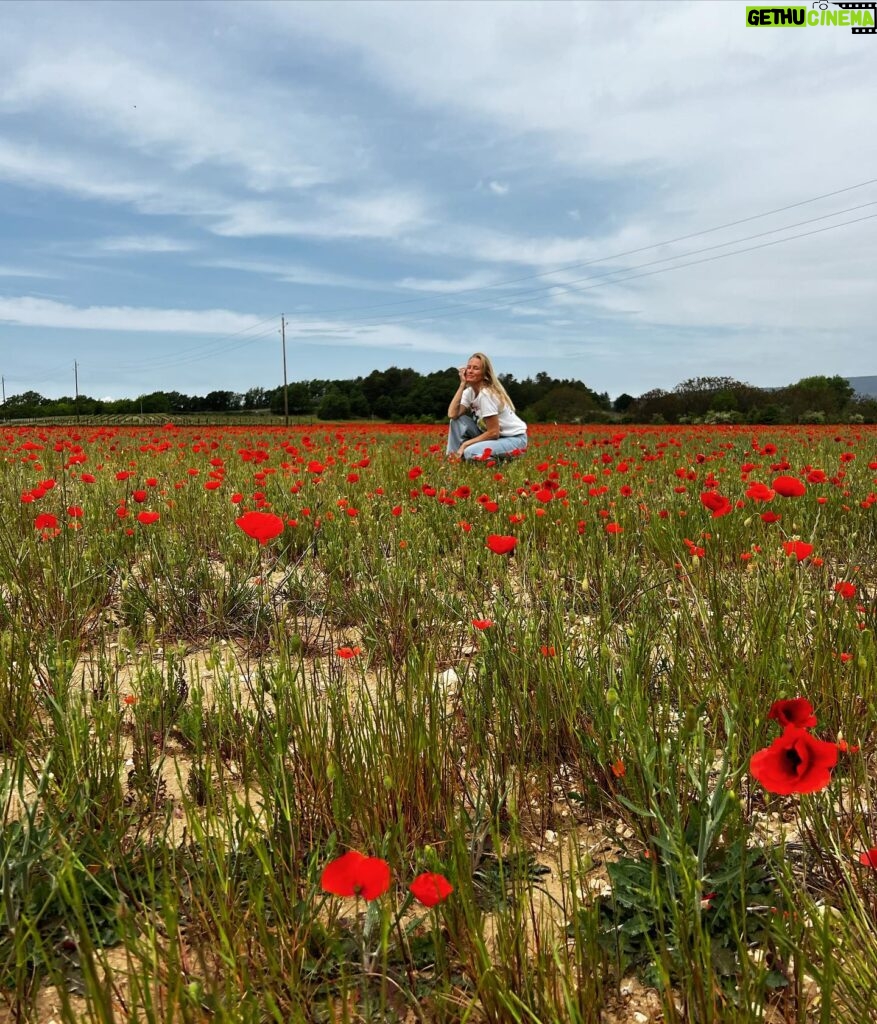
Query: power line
x,y
436,311
615,256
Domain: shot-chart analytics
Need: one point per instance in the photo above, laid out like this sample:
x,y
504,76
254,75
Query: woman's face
x,y
474,371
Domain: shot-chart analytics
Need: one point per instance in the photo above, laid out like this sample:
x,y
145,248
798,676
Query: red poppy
x,y
759,492
614,528
139,495
430,888
795,762
147,517
353,874
789,486
797,711
348,652
846,590
717,503
798,548
501,545
261,526
482,623
45,521
771,517
869,858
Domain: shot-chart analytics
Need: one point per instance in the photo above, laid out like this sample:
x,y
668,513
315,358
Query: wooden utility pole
x,y
285,389
76,386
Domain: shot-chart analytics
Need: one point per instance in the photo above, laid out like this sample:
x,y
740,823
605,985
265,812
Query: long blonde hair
x,y
492,382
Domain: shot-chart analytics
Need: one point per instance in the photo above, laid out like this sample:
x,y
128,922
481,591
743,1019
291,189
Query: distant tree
x,y
222,401
334,406
256,398
623,402
563,404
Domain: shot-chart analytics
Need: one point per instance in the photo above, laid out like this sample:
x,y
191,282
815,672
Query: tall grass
x,y
192,725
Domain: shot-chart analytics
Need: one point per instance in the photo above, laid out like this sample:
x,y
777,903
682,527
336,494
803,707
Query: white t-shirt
x,y
485,403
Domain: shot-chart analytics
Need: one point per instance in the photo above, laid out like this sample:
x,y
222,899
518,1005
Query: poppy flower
x,y
147,517
759,492
482,623
261,526
45,521
869,858
789,486
501,545
430,888
846,590
614,528
348,652
353,874
797,711
795,762
799,548
717,503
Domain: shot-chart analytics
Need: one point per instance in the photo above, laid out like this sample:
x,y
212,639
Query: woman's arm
x,y
456,408
491,433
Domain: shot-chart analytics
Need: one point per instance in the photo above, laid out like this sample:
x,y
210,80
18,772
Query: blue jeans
x,y
464,427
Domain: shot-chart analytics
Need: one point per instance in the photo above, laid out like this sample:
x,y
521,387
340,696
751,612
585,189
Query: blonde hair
x,y
492,382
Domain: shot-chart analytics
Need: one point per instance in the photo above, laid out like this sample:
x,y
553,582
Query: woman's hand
x,y
462,371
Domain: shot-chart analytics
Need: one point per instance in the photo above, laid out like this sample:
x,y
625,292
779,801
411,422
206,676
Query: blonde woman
x,y
483,419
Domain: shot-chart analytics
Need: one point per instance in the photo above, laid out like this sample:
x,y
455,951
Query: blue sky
x,y
411,182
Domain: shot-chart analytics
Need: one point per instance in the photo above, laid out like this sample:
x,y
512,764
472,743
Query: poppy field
x,y
313,724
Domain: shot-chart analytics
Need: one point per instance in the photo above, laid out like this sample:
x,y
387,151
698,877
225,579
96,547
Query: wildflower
x,y
618,768
501,545
799,548
353,874
759,492
261,526
795,762
789,486
846,590
348,652
482,623
869,858
430,888
797,711
147,517
45,521
717,503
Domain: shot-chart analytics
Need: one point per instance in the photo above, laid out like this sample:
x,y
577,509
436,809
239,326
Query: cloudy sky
x,y
628,194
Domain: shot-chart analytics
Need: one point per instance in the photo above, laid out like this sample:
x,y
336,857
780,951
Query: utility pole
x,y
76,386
285,389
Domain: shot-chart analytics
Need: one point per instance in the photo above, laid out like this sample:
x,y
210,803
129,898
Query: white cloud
x,y
7,271
498,188
143,243
33,312
476,280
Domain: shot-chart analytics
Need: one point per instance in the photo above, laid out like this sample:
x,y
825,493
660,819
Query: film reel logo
x,y
857,30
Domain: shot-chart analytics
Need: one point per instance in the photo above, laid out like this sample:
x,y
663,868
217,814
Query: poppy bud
x,y
612,696
862,662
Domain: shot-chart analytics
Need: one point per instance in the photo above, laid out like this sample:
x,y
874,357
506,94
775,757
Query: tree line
x,y
405,395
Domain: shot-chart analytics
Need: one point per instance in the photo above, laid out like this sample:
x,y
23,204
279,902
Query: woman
x,y
483,419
